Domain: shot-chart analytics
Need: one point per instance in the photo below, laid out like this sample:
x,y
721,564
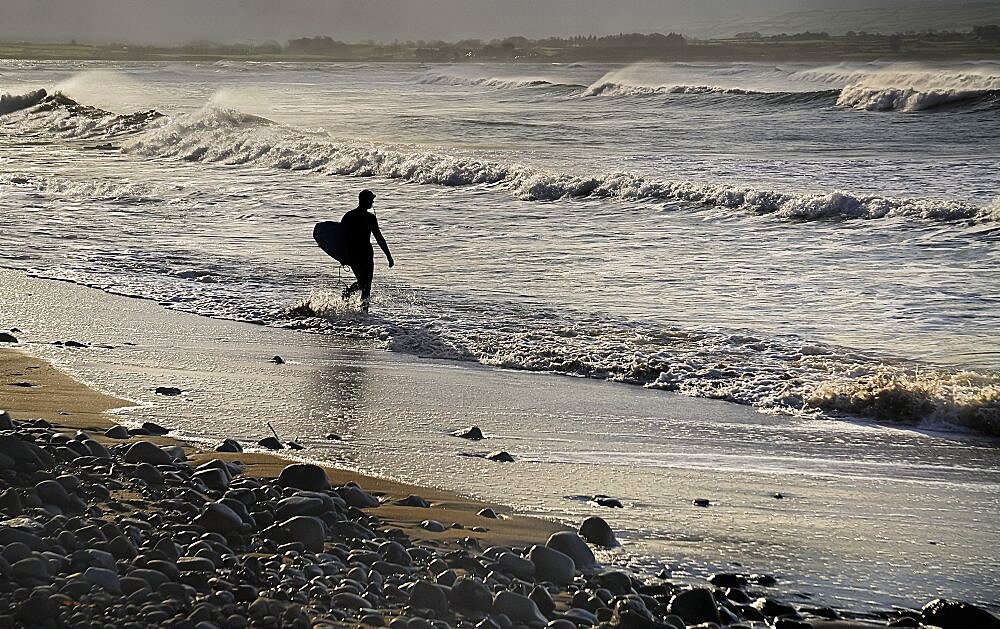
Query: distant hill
x,y
940,16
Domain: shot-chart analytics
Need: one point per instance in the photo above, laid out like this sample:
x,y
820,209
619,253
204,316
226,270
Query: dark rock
x,y
552,565
949,614
520,567
618,583
295,445
229,445
148,474
694,606
469,593
543,601
727,580
219,518
607,501
213,478
304,476
271,443
30,571
413,500
116,432
701,502
488,513
155,429
427,595
357,497
500,456
278,360
347,600
332,436
103,578
308,530
472,432
570,543
596,531
771,607
433,526
6,337
167,391
147,452
6,423
518,608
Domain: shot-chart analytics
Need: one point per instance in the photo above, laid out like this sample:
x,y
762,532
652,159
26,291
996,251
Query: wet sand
x,y
56,397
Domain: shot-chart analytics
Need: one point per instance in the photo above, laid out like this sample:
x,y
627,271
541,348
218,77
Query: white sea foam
x,y
118,191
218,135
229,136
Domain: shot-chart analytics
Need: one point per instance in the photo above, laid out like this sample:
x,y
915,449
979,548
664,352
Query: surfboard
x,y
328,237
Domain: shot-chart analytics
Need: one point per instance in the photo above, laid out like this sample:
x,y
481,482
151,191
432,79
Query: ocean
x,y
820,245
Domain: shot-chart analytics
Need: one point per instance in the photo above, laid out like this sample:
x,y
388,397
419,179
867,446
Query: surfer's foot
x,y
364,305
350,290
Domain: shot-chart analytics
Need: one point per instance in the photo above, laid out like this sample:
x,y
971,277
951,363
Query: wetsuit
x,y
357,228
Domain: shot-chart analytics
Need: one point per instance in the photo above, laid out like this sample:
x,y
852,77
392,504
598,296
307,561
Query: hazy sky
x,y
180,21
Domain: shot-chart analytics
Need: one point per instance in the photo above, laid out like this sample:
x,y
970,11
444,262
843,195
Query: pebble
x,y
169,391
305,476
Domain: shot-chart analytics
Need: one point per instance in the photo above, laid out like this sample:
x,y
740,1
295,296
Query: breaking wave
x,y
911,87
440,78
232,137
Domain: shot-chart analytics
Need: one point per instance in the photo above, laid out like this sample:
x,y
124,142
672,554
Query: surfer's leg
x,y
364,273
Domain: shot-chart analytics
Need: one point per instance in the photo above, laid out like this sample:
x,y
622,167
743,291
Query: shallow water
x,y
815,243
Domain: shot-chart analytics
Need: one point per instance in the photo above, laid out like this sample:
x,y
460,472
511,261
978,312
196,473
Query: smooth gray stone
x,y
219,518
30,570
469,593
147,452
304,476
616,582
570,543
117,432
427,595
518,608
103,578
552,565
357,497
433,526
308,530
518,566
216,479
195,564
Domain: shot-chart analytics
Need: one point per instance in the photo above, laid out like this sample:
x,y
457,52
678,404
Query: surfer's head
x,y
366,198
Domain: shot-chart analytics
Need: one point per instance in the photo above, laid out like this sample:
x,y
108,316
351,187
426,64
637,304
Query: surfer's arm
x,y
380,239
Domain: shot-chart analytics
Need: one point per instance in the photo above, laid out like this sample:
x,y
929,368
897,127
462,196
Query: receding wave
x,y
232,137
776,375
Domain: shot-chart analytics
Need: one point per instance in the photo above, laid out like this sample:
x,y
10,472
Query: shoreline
x,y
58,402
59,391
55,391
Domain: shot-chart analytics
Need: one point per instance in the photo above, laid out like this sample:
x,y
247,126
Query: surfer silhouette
x,y
356,229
